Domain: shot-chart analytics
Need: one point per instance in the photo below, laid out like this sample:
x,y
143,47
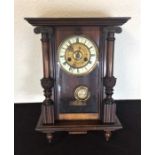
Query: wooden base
x,y
78,127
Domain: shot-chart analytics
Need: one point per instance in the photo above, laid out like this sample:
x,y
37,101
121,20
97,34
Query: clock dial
x,y
82,93
78,55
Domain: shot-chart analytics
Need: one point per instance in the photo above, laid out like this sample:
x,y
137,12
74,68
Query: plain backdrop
x,y
147,65
28,56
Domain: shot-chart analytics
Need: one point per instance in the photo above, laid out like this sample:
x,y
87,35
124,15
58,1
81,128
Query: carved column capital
x,y
41,29
45,31
112,29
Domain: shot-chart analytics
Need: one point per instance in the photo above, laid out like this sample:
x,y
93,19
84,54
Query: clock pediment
x,y
106,21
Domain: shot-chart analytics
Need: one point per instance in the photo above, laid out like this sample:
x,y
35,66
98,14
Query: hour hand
x,y
70,48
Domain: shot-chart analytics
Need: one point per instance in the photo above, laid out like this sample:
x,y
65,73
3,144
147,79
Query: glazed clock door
x,y
78,77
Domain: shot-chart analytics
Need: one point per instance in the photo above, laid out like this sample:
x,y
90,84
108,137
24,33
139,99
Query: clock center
x,y
77,55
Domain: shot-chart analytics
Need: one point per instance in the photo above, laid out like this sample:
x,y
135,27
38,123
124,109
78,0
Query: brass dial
x,y
82,93
78,55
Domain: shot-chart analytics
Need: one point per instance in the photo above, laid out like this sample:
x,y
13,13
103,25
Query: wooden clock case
x,y
56,113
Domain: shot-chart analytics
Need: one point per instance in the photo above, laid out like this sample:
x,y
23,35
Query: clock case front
x,y
66,83
57,112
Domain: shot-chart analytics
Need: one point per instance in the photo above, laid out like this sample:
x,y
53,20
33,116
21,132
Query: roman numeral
x,y
64,48
62,56
69,42
77,70
71,69
77,40
85,41
89,62
93,55
64,63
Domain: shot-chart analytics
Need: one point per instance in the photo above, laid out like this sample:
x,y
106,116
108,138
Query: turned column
x,y
109,81
47,82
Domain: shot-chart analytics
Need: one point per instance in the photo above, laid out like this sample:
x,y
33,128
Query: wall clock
x,y
78,76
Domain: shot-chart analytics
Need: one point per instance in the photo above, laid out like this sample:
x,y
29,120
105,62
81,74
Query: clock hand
x,y
70,48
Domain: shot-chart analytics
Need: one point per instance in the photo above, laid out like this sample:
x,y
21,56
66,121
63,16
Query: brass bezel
x,y
92,68
76,91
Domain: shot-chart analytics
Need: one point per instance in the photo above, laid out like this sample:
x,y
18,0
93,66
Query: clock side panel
x,y
66,106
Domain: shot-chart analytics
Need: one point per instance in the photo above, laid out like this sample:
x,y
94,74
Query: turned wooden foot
x,y
107,135
49,137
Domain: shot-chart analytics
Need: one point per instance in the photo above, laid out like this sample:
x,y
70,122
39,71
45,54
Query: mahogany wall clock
x,y
78,76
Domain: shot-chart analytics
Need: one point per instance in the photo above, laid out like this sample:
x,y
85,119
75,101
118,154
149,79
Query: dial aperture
x,y
78,55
